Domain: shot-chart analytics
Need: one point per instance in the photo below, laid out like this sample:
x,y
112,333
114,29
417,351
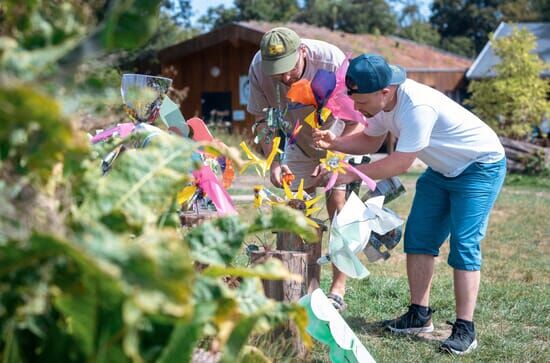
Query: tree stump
x,y
287,241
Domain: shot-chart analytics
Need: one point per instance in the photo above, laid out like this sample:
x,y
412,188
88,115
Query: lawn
x,y
513,311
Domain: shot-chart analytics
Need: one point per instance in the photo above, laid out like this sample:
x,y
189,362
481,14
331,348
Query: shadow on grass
x,y
378,329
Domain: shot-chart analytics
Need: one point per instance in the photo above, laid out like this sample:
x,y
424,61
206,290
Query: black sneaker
x,y
462,340
412,322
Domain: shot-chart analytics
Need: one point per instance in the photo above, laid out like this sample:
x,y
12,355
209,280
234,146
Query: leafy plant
x,y
96,268
515,99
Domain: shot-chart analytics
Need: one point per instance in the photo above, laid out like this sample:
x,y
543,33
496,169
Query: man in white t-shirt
x,y
283,59
454,196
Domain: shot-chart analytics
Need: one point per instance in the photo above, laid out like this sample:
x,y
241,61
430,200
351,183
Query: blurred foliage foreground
x,y
96,268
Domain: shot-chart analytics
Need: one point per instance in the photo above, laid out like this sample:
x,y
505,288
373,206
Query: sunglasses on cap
x,y
351,86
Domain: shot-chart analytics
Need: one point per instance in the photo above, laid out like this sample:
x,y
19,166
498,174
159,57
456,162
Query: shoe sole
x,y
458,352
424,329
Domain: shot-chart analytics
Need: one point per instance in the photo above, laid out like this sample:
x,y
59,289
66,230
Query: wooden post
x,y
192,218
288,291
296,263
287,241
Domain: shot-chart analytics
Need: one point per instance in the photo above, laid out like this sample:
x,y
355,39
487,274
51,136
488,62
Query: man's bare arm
x,y
358,143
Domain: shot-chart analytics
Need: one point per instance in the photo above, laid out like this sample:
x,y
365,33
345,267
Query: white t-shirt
x,y
446,136
263,88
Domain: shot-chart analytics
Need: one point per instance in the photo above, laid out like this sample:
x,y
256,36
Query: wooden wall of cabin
x,y
452,83
193,71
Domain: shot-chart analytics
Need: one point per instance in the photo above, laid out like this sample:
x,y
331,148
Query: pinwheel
x,y
262,194
327,326
351,233
262,166
334,162
206,185
300,200
327,92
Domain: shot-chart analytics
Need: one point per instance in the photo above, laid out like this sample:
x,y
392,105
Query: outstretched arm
x,y
356,143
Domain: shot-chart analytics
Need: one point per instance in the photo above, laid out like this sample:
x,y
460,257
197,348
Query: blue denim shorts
x,y
459,206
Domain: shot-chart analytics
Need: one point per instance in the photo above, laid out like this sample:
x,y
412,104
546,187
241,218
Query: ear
x,y
385,91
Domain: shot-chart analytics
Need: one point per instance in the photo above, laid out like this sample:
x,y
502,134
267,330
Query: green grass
x,y
513,311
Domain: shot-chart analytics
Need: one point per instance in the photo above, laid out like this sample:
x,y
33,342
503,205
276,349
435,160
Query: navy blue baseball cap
x,y
369,73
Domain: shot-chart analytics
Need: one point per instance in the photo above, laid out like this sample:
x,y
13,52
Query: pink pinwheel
x,y
207,181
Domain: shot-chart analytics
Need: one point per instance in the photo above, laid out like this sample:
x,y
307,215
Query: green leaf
x,y
79,305
272,269
186,335
142,183
11,352
283,218
34,135
238,338
217,242
131,23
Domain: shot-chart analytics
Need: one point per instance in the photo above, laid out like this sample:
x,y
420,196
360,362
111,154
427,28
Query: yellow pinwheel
x,y
300,202
262,166
334,162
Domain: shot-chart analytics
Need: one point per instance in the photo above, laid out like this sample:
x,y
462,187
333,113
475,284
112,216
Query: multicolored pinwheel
x,y
327,92
335,163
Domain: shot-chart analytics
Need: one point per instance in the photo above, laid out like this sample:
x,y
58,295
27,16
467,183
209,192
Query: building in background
x,y
486,60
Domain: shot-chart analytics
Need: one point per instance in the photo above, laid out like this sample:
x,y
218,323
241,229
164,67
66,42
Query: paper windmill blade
x,y
206,180
120,130
262,194
327,326
334,163
323,85
339,102
316,119
262,166
172,117
351,230
291,137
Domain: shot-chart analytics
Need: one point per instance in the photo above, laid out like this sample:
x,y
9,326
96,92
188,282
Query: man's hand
x,y
323,138
277,171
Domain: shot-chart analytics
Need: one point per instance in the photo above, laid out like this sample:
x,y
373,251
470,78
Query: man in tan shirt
x,y
284,59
